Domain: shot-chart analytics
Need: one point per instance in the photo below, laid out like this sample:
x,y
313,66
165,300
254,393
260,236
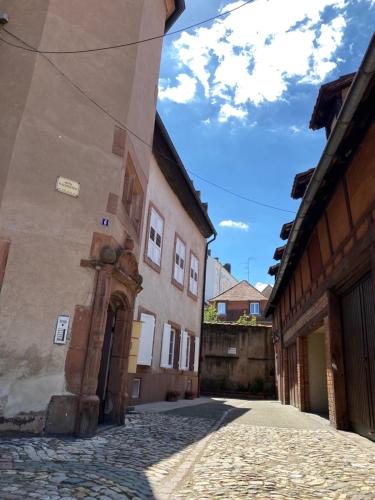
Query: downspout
x,y
202,311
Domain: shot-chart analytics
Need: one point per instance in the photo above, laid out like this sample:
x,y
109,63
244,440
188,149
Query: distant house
x,y
241,298
218,277
267,291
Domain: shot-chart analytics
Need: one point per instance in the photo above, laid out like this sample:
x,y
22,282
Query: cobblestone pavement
x,y
243,460
119,463
262,450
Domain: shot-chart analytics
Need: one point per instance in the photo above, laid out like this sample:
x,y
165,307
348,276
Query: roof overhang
x,y
175,173
339,150
301,181
285,230
179,7
327,92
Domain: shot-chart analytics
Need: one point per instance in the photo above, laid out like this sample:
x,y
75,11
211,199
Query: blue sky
x,y
237,95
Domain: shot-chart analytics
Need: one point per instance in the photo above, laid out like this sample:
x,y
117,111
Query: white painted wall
x,y
218,280
159,295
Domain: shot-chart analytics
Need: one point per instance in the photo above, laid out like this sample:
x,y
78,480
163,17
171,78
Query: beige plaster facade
x,y
49,128
163,299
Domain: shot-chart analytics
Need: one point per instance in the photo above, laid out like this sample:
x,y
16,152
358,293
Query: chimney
x,y
228,267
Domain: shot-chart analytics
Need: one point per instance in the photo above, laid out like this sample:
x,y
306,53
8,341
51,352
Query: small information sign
x,y
67,186
232,350
61,332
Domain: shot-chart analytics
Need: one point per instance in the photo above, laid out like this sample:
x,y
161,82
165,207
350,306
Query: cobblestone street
x,y
256,450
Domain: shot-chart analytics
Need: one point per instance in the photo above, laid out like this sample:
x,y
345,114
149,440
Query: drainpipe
x,y
202,311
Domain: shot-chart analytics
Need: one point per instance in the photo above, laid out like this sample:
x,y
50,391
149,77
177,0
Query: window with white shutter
x,y
179,261
146,340
167,347
196,357
193,278
155,237
184,351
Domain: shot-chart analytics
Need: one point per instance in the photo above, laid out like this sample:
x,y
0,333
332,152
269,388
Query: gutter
x,y
180,7
202,310
354,97
176,159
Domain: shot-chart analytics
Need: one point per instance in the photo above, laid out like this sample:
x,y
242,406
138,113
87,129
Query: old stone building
x,y
323,303
73,181
173,253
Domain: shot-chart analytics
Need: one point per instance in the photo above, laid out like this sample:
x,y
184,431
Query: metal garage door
x,y
358,314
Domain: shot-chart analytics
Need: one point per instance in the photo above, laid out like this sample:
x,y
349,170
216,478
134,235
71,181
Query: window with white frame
x,y
168,346
179,261
184,351
146,340
194,270
155,237
221,308
172,341
255,308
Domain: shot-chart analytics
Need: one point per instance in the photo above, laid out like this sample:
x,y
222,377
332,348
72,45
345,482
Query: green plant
x,y
245,319
256,386
210,314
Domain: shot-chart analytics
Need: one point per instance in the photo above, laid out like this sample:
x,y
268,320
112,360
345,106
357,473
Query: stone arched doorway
x,y
96,366
111,389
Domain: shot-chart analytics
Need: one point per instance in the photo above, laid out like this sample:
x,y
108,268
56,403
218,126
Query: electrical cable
x,y
121,124
150,39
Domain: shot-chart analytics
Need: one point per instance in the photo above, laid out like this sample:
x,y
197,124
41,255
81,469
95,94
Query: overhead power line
x,y
134,134
129,44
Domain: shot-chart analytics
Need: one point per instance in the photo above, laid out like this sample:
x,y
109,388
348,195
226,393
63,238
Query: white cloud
x,y
261,286
295,129
252,55
234,225
228,111
207,121
183,92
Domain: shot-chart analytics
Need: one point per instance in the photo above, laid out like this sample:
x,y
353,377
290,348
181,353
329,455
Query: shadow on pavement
x,y
132,461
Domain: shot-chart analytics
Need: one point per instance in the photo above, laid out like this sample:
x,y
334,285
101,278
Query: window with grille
x,y
132,196
255,308
155,237
179,262
194,270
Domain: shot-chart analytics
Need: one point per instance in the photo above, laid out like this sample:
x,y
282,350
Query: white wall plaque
x,y
61,332
67,186
232,350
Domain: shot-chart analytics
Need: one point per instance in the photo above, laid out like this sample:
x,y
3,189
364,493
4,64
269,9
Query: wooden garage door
x,y
358,314
292,375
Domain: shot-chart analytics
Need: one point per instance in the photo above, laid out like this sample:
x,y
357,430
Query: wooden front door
x,y
358,318
105,362
292,375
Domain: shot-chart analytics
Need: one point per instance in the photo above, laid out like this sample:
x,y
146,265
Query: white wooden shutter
x,y
165,345
183,349
196,356
146,340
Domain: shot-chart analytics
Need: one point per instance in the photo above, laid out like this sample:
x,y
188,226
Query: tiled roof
x,y
241,291
285,230
300,183
267,291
